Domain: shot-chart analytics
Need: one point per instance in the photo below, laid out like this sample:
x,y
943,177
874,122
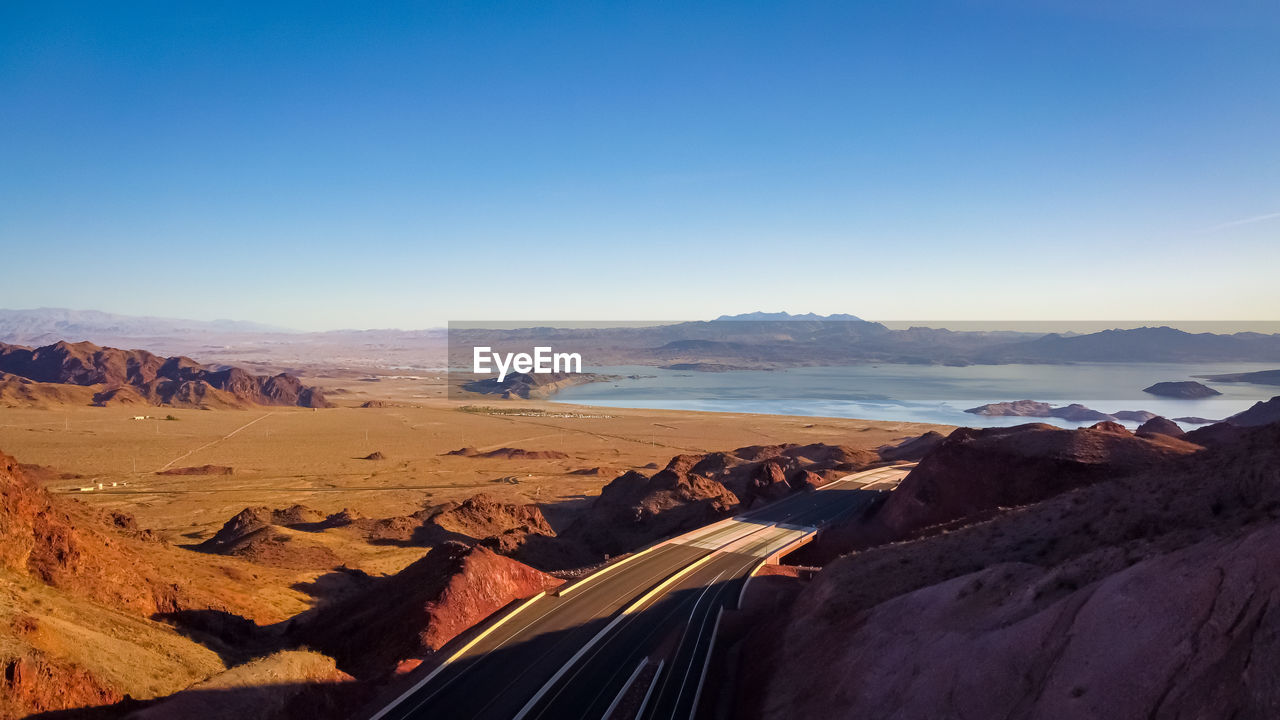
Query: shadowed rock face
x,y
1153,594
769,482
634,510
1189,634
976,472
912,448
1262,413
1234,428
133,376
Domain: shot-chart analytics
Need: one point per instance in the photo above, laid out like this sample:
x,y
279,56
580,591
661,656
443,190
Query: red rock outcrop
x,y
418,610
37,683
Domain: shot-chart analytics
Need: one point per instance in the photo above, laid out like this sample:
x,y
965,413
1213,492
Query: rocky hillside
x,y
95,612
692,490
1141,593
975,473
139,377
1262,413
40,538
83,596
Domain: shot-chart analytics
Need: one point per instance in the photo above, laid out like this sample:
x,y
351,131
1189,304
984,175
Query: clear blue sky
x,y
326,165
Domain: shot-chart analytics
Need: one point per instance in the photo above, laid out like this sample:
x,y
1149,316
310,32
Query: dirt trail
x,y
211,443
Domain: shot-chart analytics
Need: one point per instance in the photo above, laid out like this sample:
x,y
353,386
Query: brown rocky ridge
x,y
130,377
287,537
636,509
975,473
507,453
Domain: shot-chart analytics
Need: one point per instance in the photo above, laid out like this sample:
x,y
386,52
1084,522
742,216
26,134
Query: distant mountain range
x,y
265,347
53,324
751,343
752,340
767,316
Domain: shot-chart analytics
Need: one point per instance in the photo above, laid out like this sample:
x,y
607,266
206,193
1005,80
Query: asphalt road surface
x,y
571,656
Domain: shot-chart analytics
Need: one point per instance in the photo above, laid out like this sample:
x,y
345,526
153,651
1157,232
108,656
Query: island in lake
x,y
1074,412
1185,390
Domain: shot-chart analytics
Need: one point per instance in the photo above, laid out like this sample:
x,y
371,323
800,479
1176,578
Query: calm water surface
x,y
921,393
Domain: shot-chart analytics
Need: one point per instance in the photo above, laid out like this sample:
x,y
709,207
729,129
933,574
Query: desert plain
x,y
108,459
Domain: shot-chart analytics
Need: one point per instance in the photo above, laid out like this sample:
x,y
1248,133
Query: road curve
x,y
572,656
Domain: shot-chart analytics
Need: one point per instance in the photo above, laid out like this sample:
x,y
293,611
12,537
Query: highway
x,y
573,655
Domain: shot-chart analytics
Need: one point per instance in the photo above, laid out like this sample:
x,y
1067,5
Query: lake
x,y
921,393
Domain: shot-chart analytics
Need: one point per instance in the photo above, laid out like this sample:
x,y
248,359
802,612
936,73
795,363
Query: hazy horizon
x,y
1222,326
314,167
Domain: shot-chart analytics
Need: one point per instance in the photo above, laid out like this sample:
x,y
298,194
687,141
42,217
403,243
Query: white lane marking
x,y
685,633
706,665
627,612
585,648
625,687
657,627
697,640
652,684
